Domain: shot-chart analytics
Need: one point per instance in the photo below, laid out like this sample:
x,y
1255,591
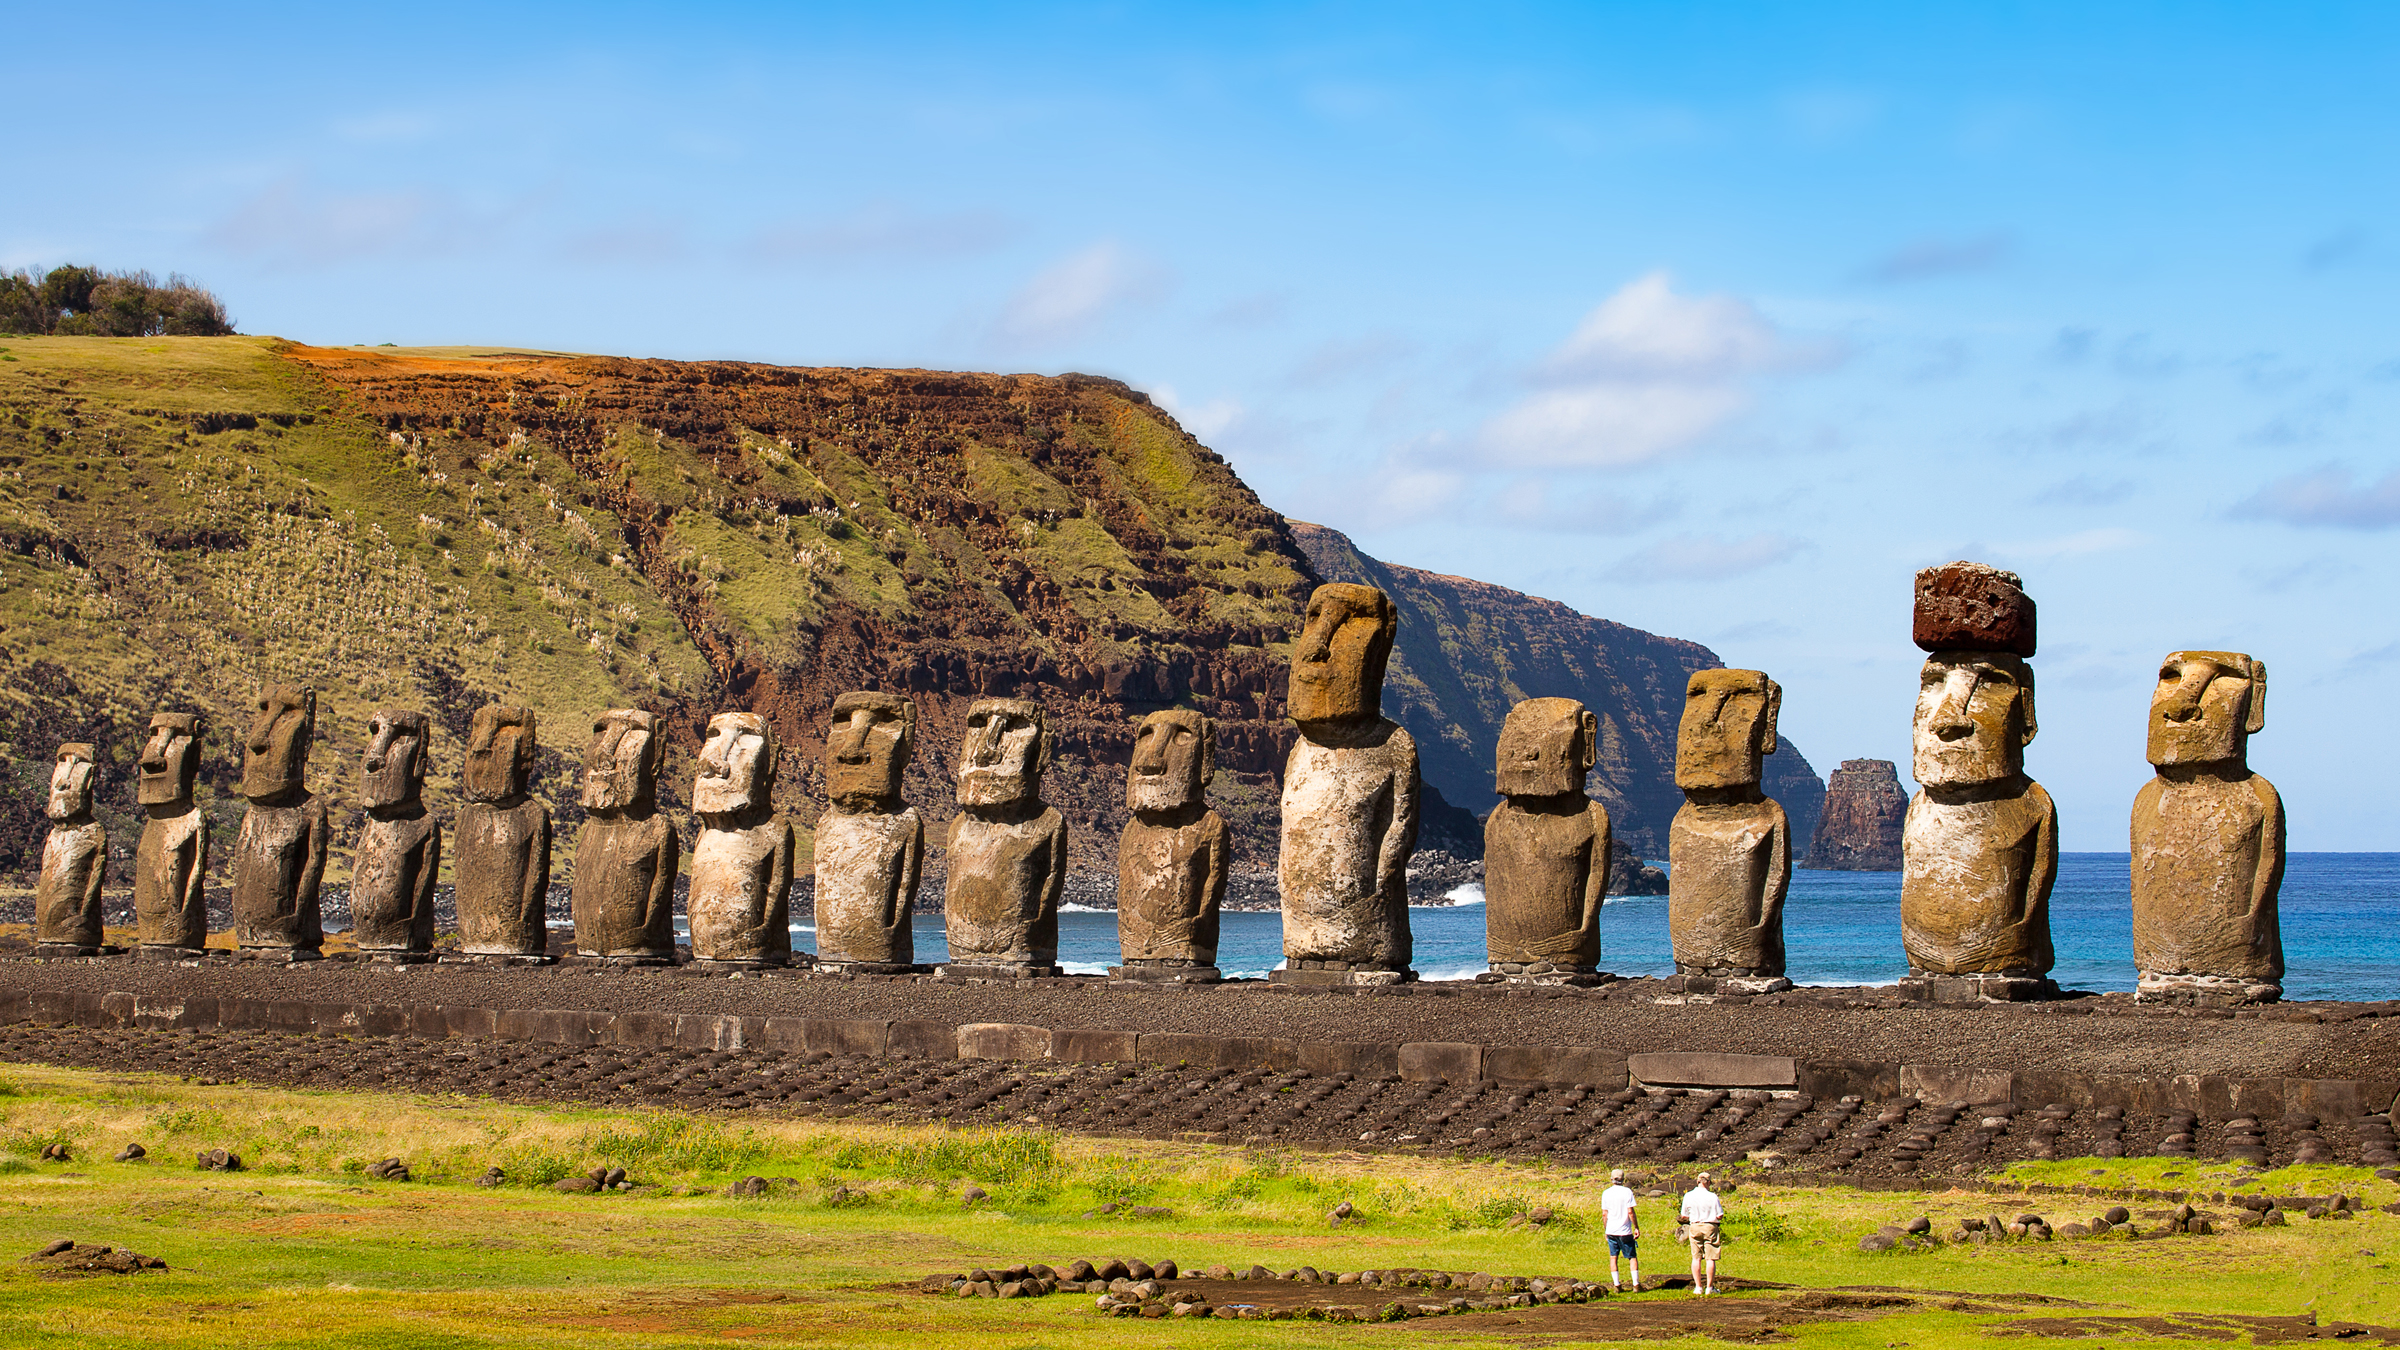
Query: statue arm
x,y
1595,886
97,873
536,899
1779,865
2267,879
195,880
1054,885
778,909
312,868
1220,865
912,869
429,870
2044,871
1400,837
662,877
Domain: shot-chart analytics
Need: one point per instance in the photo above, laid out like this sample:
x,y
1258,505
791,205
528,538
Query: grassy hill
x,y
182,519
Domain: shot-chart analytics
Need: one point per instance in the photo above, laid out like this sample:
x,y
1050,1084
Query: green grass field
x,y
302,1249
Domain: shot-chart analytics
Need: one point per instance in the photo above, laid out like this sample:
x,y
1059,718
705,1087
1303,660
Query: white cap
x,y
1616,1174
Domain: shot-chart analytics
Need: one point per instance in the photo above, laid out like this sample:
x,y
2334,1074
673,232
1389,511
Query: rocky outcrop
x,y
1469,651
1860,830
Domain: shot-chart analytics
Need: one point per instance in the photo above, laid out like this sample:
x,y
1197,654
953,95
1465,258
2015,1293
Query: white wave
x,y
1258,974
1072,908
1469,894
804,928
1455,972
1844,984
1084,967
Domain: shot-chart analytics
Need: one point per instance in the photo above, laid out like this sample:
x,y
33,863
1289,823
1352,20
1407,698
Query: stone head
x,y
170,759
393,771
1337,664
1547,745
500,748
1006,748
1728,728
1174,760
737,765
280,733
620,769
1974,718
72,779
2205,707
869,738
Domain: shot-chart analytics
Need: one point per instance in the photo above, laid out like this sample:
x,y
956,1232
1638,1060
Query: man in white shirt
x,y
1624,1230
1703,1213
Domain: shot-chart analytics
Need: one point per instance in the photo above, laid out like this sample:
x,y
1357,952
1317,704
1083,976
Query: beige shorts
x,y
1707,1243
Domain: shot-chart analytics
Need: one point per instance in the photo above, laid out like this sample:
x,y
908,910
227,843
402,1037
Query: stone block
x,y
2260,1097
1003,1040
850,1036
1964,606
1216,1052
1557,1064
381,1019
1834,1079
1712,1069
117,1009
1091,1045
778,1035
160,1012
1943,1083
334,1019
16,1005
706,1032
1365,1059
643,1030
466,1020
2136,1093
922,1040
2329,1098
1441,1062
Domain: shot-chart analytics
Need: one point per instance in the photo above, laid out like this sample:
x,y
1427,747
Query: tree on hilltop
x,y
87,302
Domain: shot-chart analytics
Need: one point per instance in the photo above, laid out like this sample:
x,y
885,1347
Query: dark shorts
x,y
1623,1246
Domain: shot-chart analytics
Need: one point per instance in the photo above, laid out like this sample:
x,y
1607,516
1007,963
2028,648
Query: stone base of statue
x,y
288,956
618,960
837,968
2208,991
1543,972
498,960
716,966
155,952
1336,974
1697,982
66,951
980,970
1166,972
394,956
1997,987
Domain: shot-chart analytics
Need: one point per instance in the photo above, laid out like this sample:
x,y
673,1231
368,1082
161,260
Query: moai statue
x,y
502,870
1545,848
1350,793
1173,856
870,842
2207,839
279,855
740,901
1980,847
1729,852
624,893
399,845
1008,851
66,901
169,865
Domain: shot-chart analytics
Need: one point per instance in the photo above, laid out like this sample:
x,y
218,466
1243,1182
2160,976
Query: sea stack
x,y
1865,811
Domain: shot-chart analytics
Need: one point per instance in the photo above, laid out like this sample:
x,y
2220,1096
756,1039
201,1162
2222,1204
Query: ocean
x,y
2341,930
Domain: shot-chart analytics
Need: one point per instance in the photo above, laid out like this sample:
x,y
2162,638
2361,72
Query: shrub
x,y
85,301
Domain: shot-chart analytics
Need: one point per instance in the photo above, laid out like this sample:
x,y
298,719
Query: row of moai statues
x,y
1980,843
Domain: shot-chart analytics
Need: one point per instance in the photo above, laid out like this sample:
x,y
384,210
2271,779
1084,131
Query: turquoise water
x,y
2341,930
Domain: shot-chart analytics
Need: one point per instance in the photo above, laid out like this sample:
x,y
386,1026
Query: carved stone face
x,y
1337,665
620,770
286,723
1006,747
170,760
2205,707
737,765
1974,718
1728,728
499,753
393,773
1174,758
1547,745
71,781
868,741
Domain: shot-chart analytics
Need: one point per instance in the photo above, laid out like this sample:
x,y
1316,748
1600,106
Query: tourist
x,y
1624,1230
1703,1212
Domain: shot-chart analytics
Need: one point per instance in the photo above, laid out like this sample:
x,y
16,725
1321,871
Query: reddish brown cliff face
x,y
1864,810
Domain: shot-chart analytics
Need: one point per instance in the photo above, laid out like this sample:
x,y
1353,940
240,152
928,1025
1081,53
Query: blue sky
x,y
1714,320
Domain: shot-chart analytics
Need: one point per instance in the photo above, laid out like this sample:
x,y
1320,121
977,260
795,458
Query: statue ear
x,y
2257,719
1208,751
1588,751
1044,746
1766,740
2032,725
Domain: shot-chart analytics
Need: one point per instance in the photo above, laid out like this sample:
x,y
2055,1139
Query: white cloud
x,y
1204,420
1647,373
2107,539
289,222
1080,294
2327,495
1692,557
1539,503
884,229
